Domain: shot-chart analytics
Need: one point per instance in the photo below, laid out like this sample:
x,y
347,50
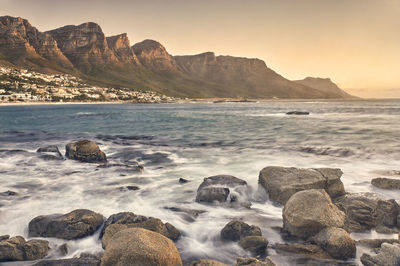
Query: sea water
x,y
191,141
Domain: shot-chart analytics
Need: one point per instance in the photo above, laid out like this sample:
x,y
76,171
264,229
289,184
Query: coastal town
x,y
22,85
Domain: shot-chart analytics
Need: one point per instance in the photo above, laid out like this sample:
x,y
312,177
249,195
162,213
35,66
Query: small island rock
x,y
85,151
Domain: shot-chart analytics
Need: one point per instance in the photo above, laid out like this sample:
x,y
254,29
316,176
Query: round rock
x,y
308,212
336,242
141,247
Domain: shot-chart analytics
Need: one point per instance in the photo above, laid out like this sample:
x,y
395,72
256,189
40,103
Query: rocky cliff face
x,y
121,48
19,39
84,45
148,65
324,85
154,56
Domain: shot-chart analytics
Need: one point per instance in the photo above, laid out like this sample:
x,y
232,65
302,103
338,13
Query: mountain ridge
x,y
112,61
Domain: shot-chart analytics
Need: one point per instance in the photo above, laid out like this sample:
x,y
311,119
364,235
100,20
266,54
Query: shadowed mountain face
x,y
111,61
325,85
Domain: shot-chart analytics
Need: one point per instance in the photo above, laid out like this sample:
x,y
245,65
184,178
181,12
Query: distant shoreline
x,y
211,100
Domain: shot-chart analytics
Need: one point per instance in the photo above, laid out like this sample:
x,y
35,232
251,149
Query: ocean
x,y
191,141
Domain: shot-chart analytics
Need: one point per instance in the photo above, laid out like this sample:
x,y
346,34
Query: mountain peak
x,y
153,55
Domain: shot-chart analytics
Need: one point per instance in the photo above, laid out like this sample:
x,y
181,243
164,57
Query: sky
x,y
356,43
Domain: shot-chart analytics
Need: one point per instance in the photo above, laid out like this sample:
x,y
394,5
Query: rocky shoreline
x,y
318,214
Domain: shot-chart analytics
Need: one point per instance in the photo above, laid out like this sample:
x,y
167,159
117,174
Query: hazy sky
x,y
354,42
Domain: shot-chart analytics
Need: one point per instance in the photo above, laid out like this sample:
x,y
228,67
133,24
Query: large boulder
x,y
17,249
76,224
336,242
124,220
281,183
141,247
308,212
388,255
235,230
254,262
207,263
85,151
386,183
366,210
217,188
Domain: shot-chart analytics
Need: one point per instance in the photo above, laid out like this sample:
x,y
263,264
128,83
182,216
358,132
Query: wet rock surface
x,y
366,210
386,183
219,187
308,212
336,242
235,230
76,224
137,246
124,220
297,113
388,255
85,151
254,262
302,249
254,244
18,249
207,263
281,183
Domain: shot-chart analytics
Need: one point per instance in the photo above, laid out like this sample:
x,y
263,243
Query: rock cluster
x,y
17,249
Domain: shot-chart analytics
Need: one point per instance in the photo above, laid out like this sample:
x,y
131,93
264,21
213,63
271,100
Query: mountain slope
x,y
324,85
85,51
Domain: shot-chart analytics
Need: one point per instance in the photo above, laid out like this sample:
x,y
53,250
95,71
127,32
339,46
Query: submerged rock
x,y
366,210
76,224
336,242
207,263
17,249
124,220
138,246
189,215
308,212
281,183
297,113
85,151
386,183
218,188
235,230
51,149
254,262
183,181
376,243
70,262
388,255
8,193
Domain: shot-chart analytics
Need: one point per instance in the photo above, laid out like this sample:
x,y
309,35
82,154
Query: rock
x,y
207,263
17,249
336,242
282,182
85,151
375,243
386,183
217,188
211,194
297,113
183,181
235,230
389,255
4,237
124,220
63,249
254,262
130,188
305,250
308,212
76,224
366,210
187,214
8,193
255,244
138,246
50,149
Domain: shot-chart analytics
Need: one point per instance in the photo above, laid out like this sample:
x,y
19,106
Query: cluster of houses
x,y
21,85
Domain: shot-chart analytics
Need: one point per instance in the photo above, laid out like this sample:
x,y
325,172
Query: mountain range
x,y
86,52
